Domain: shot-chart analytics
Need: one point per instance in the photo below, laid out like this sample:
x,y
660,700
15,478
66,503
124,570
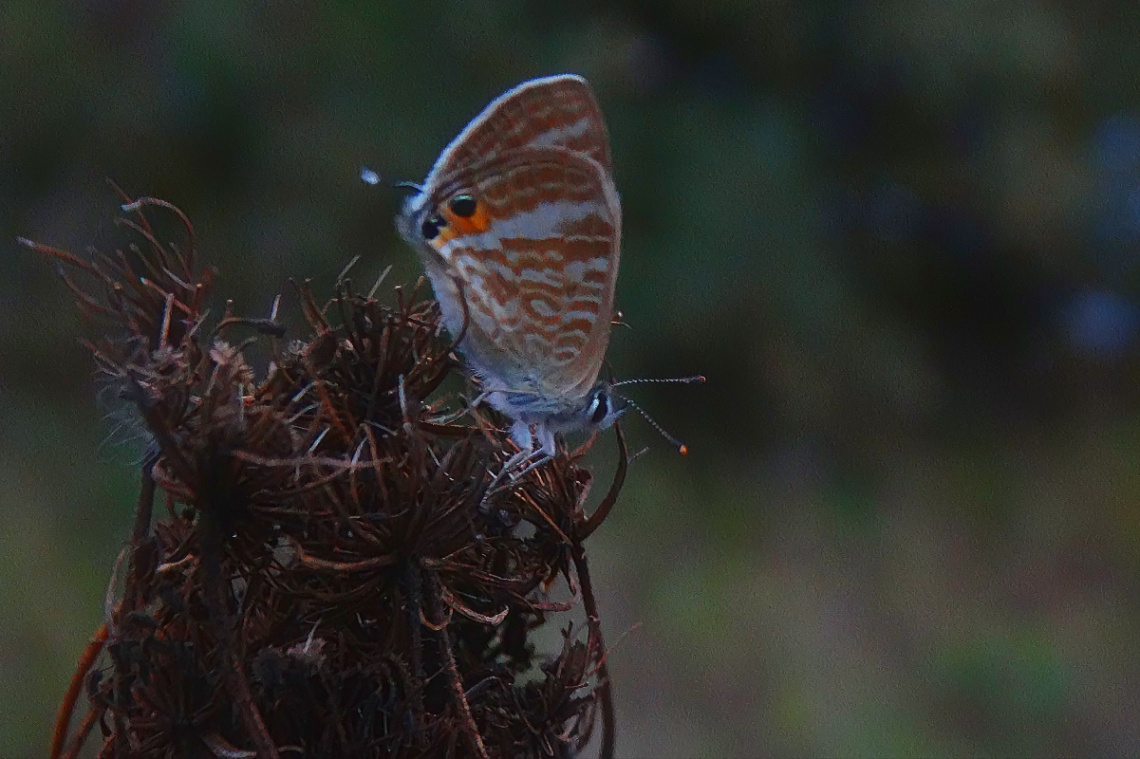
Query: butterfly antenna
x,y
370,176
696,379
681,447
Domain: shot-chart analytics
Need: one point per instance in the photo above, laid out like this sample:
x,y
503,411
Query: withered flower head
x,y
337,571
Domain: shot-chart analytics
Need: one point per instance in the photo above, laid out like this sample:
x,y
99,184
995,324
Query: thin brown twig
x,y
455,682
233,671
143,511
594,521
85,727
594,621
74,688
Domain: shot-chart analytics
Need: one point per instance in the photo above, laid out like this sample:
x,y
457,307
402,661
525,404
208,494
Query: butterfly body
x,y
519,228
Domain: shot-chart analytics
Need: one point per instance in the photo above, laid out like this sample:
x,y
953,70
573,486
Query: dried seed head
x,y
331,573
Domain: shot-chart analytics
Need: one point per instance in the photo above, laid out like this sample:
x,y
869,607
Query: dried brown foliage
x,y
333,575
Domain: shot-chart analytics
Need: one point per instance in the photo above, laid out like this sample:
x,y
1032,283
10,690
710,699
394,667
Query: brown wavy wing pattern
x,y
558,111
540,280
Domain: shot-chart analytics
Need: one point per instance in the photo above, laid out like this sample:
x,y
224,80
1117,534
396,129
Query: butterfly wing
x,y
554,111
528,268
539,278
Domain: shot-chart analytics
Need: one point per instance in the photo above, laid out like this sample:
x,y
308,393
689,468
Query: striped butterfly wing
x,y
537,262
536,257
555,111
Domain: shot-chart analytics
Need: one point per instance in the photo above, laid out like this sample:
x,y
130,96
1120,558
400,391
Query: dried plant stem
x,y
594,620
595,520
232,669
455,682
140,536
67,706
84,730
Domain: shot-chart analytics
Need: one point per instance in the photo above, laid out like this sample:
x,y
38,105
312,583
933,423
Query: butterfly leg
x,y
521,435
535,457
529,457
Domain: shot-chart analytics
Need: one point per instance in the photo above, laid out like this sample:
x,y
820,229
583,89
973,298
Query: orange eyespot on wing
x,y
461,217
468,222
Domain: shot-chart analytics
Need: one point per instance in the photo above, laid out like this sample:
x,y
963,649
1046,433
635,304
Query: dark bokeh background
x,y
900,238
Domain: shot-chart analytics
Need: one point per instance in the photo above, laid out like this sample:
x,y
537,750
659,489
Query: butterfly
x,y
519,227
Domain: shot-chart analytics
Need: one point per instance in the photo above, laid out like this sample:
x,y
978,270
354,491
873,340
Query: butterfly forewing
x,y
556,111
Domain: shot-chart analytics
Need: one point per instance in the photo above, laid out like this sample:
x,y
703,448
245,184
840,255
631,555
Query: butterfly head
x,y
602,408
431,222
596,411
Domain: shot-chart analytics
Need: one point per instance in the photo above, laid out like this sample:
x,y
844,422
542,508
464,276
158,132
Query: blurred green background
x,y
900,238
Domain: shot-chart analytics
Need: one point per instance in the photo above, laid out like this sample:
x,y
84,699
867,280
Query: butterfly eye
x,y
600,408
463,206
431,227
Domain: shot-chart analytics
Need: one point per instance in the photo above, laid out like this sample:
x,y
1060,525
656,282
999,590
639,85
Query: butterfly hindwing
x,y
539,279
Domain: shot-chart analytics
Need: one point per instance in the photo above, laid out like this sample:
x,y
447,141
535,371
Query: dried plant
x,y
337,572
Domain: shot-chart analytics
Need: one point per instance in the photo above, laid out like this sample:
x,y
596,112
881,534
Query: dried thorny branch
x,y
332,576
